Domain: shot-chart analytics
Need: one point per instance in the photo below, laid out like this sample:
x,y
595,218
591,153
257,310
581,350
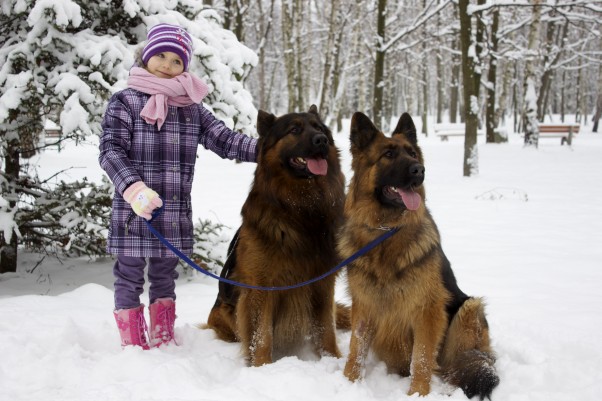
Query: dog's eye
x,y
389,154
294,130
413,154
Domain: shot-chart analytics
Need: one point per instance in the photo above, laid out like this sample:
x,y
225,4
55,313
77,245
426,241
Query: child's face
x,y
165,65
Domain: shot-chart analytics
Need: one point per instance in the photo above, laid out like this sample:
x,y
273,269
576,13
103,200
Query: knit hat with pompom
x,y
168,38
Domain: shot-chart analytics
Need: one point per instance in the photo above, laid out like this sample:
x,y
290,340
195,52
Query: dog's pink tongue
x,y
317,166
410,198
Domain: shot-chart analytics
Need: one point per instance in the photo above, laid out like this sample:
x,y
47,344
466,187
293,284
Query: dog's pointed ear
x,y
265,121
314,110
363,131
405,126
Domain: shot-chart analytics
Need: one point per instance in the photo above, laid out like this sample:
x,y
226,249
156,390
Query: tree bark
x,y
455,85
264,31
379,66
329,58
425,93
469,82
8,248
440,93
598,112
531,124
549,60
490,120
298,46
289,54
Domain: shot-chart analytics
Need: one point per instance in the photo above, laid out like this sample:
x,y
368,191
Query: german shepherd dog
x,y
288,236
406,305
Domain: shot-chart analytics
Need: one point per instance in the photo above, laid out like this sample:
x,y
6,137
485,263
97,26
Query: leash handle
x,y
156,212
368,247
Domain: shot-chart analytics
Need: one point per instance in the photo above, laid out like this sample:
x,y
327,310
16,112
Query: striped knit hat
x,y
168,38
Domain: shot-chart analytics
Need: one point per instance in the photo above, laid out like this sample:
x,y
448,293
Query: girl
x,y
151,132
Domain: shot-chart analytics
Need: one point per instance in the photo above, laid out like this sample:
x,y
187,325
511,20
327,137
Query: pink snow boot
x,y
162,320
132,326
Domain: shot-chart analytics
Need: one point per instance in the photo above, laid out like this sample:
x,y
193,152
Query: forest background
x,y
477,62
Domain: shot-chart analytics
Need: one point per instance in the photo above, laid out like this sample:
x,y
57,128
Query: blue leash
x,y
368,247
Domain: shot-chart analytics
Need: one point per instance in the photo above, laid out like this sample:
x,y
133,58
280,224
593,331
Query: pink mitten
x,y
142,199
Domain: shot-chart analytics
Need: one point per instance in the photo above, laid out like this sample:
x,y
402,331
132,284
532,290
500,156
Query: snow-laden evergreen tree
x,y
61,60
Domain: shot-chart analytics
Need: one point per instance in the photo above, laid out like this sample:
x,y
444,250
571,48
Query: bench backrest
x,y
558,128
449,127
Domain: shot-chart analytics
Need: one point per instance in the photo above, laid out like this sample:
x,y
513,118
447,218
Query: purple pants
x,y
129,280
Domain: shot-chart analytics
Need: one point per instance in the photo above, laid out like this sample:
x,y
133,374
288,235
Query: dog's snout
x,y
320,140
417,173
417,170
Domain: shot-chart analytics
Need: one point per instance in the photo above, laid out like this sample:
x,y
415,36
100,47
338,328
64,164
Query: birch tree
x,y
531,124
491,121
470,80
379,65
292,13
598,112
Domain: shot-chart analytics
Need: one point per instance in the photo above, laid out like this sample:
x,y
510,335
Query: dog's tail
x,y
343,316
467,360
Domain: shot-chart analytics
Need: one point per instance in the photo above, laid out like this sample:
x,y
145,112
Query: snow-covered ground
x,y
525,233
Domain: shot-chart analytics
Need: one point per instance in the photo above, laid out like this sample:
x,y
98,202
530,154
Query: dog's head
x,y
389,170
299,142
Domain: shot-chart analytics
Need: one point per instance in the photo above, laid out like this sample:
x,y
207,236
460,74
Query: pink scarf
x,y
182,90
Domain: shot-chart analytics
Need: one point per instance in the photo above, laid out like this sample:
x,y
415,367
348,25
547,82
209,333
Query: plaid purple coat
x,y
132,150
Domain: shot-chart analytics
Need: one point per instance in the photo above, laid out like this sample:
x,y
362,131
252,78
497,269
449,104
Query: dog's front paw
x,y
352,371
420,387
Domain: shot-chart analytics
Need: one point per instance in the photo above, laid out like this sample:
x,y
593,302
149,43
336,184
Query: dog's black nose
x,y
417,173
319,140
417,169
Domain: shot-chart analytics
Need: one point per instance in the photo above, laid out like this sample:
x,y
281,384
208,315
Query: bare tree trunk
x,y
490,118
581,97
455,85
502,108
531,124
425,92
552,41
440,94
264,31
563,97
515,104
471,90
359,91
337,74
228,14
379,66
8,248
425,82
300,68
289,53
598,113
329,59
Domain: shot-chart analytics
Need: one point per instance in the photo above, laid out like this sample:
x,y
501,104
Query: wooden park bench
x,y
563,131
51,135
444,131
52,132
